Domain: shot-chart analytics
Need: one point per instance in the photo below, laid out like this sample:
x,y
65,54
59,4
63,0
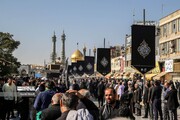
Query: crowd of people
x,y
117,99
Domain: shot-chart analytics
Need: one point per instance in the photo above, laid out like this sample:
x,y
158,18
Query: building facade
x,y
170,45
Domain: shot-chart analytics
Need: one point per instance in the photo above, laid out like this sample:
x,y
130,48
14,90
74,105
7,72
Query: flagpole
x,y
104,43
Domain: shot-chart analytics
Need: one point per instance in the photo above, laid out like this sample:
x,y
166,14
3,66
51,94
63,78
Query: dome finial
x,y
77,45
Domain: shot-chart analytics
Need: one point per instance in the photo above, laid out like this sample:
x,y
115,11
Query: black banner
x,y
103,61
89,65
143,48
74,68
80,67
70,69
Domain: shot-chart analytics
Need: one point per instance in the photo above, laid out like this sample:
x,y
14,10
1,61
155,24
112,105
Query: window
x,y
164,30
179,24
178,45
167,29
174,47
162,49
166,48
174,26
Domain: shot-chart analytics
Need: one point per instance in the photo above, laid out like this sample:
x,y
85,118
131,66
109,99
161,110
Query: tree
x,y
8,63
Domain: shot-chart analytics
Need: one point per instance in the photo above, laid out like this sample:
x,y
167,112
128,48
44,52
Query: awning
x,y
97,74
149,76
109,75
131,75
117,75
157,77
126,75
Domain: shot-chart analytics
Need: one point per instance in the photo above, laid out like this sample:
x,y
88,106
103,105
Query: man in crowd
x,y
43,99
100,92
156,100
2,112
53,111
10,96
137,99
86,103
68,104
75,86
165,107
114,108
120,89
111,108
172,102
145,99
149,99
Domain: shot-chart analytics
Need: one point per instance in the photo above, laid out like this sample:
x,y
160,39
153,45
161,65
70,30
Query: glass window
x,y
174,26
167,29
161,49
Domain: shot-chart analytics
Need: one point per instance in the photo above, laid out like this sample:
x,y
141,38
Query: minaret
x,y
94,50
53,55
63,38
84,50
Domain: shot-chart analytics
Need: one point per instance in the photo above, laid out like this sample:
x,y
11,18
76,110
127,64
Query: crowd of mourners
x,y
116,99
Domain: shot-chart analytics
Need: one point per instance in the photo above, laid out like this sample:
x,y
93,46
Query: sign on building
x,y
169,66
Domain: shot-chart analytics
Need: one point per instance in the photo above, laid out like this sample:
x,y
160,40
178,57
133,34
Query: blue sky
x,y
88,22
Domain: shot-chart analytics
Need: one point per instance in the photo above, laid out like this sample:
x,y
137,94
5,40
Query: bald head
x,y
84,92
56,98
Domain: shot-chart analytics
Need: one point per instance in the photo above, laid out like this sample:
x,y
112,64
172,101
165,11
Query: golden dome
x,y
77,55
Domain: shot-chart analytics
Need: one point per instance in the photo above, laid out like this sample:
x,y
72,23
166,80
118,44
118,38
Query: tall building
x,y
170,45
115,51
53,55
63,57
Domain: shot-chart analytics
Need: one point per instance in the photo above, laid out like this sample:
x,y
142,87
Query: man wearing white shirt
x,y
10,96
120,90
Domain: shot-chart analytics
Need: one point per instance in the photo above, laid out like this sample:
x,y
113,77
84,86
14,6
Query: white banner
x,y
169,66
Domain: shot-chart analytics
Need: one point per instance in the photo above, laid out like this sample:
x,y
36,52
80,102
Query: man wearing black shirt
x,y
111,108
156,100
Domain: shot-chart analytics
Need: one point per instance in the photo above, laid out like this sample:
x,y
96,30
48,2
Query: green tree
x,y
8,63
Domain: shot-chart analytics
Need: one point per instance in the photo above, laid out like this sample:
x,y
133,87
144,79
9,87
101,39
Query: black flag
x,y
89,65
80,67
103,61
70,69
143,48
74,68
